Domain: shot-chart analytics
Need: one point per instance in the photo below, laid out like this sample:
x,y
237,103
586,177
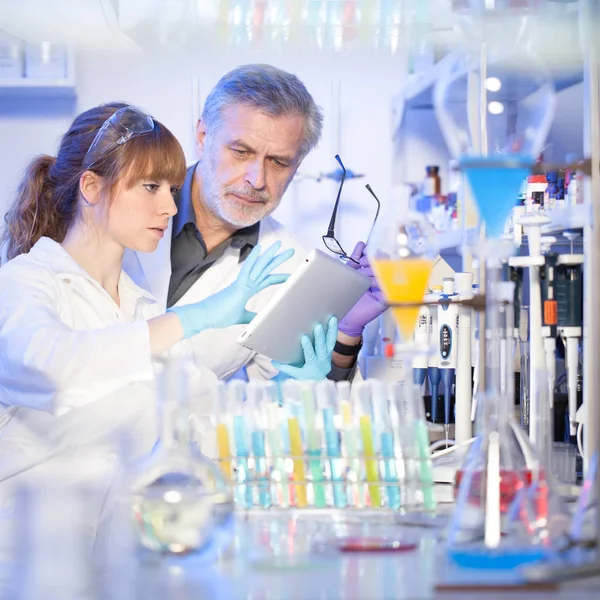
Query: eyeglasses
x,y
330,241
124,124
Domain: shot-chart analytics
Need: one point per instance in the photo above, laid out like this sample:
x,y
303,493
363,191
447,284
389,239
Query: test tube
x,y
364,409
291,403
383,429
276,429
327,403
257,422
355,493
415,437
313,443
220,411
237,397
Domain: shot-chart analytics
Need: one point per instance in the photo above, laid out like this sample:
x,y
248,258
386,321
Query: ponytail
x,y
33,214
47,201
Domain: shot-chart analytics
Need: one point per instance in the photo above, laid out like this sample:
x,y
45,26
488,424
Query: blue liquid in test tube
x,y
390,473
243,490
258,448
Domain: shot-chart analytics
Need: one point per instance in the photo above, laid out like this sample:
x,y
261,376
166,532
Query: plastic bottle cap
x,y
536,179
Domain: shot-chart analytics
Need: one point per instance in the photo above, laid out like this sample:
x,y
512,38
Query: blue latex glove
x,y
228,307
317,360
370,305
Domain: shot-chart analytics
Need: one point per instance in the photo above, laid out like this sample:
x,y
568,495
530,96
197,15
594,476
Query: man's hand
x,y
370,305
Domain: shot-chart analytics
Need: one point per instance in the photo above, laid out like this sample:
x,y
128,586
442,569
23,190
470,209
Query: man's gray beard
x,y
216,203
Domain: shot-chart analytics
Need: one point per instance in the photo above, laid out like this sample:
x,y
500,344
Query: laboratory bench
x,y
290,555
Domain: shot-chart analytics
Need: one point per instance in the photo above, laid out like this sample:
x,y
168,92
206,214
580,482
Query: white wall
x,y
161,84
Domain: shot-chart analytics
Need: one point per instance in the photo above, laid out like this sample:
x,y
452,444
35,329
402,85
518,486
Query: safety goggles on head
x,y
124,124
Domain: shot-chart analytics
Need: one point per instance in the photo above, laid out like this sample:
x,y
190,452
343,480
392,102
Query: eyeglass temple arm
x,y
370,190
331,227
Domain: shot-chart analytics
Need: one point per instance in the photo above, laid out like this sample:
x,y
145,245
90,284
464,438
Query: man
x,y
258,124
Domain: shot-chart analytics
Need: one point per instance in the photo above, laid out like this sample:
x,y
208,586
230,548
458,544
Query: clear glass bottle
x,y
181,502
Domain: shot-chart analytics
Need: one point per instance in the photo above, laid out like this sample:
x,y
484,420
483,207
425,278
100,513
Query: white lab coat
x,y
217,349
75,368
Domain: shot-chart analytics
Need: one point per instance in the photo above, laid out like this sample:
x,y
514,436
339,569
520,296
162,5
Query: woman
x,y
79,341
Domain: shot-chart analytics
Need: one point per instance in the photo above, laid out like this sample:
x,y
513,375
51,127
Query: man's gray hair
x,y
269,89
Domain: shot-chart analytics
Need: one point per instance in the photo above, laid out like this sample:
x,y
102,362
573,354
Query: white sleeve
x,y
42,359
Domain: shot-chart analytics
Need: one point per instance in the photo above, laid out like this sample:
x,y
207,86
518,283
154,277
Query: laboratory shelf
x,y
418,91
26,88
37,88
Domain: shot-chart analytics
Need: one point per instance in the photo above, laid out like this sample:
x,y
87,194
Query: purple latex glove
x,y
370,305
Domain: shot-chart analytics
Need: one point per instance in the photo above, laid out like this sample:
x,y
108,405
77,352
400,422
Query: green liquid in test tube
x,y
426,471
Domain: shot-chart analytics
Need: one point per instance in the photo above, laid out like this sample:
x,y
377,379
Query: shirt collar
x,y
50,253
243,238
185,209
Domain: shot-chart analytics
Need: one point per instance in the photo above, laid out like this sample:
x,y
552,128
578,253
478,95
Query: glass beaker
x,y
181,502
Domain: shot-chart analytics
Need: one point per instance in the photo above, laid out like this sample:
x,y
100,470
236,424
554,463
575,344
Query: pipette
x,y
447,323
433,370
421,342
464,380
569,293
550,312
327,403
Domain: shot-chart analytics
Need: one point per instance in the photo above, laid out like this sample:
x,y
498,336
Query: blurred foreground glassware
x,y
506,513
540,502
56,515
181,502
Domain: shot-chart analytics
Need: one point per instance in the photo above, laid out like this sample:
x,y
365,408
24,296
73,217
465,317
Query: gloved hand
x,y
370,305
317,360
228,307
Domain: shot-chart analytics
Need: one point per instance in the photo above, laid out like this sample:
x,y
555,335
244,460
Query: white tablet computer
x,y
321,287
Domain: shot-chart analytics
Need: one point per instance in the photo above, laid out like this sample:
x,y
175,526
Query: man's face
x,y
247,162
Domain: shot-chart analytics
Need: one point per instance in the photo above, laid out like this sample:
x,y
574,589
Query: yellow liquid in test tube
x,y
224,450
370,463
403,280
296,450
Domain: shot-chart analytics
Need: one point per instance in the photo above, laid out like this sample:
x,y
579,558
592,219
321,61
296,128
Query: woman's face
x,y
138,216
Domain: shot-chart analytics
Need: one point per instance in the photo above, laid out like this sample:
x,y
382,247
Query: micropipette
x,y
447,323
